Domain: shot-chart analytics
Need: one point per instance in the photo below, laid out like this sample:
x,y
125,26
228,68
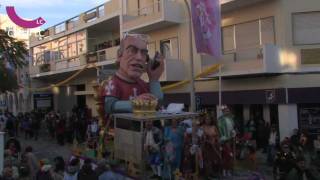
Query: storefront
x,y
287,108
43,101
246,104
309,118
308,105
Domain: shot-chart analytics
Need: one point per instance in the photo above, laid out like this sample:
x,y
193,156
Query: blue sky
x,y
53,11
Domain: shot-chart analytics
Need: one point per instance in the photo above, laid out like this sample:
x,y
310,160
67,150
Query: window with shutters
x,y
306,28
248,35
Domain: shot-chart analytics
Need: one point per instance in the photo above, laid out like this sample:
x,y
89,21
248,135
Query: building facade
x,y
270,57
19,100
16,31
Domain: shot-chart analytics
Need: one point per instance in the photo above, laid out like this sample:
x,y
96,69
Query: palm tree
x,y
13,54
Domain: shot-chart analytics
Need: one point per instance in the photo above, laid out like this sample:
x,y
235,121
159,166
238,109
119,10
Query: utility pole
x,y
192,86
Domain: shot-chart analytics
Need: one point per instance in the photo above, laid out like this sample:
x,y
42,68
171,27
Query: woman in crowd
x,y
211,148
173,137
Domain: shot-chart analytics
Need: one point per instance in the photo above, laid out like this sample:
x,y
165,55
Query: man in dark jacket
x,y
300,171
86,172
10,125
283,163
72,170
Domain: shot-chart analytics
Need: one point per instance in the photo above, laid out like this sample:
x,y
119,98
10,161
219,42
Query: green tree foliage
x,y
13,55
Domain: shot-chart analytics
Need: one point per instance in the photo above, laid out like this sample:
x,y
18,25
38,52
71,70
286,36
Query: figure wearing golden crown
x,y
125,90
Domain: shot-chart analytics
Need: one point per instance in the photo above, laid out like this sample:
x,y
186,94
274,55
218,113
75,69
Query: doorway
x,y
81,99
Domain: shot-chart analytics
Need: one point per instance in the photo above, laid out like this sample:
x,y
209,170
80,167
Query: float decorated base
x,y
129,133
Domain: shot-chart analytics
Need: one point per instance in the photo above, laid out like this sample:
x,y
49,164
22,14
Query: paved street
x,y
46,147
263,170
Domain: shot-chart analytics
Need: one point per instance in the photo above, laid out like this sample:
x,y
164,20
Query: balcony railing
x,y
163,13
103,55
84,18
100,57
146,10
173,71
247,54
73,22
254,60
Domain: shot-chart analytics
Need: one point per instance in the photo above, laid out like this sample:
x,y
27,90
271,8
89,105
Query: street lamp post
x,y
1,151
192,86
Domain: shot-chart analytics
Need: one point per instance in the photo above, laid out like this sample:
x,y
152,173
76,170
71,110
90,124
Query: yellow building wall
x,y
132,6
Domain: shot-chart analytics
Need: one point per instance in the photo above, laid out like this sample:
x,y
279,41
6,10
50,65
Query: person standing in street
x,y
301,171
32,162
273,137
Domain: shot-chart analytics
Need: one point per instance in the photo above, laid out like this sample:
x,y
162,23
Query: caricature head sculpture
x,y
132,56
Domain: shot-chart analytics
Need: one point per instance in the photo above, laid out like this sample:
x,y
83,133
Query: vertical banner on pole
x,y
206,19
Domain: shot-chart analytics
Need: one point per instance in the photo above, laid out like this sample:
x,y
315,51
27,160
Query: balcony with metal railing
x,y
83,20
174,70
267,59
250,61
103,56
153,15
100,58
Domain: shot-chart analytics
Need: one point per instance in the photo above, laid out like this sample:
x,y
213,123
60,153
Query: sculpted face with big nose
x,y
132,58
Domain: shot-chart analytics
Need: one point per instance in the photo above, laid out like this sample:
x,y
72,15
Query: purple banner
x,y
206,21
